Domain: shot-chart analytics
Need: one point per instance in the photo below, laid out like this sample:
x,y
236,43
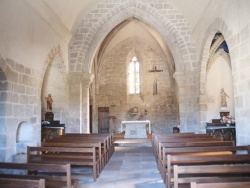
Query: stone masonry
x,y
113,90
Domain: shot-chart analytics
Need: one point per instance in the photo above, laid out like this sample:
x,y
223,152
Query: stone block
x,y
33,82
5,109
18,110
11,75
3,64
2,125
29,91
11,63
25,79
29,110
32,100
23,99
3,76
33,120
14,97
19,88
27,71
5,96
19,68
2,140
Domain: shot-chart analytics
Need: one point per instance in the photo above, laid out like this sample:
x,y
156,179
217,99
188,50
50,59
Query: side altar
x,y
136,129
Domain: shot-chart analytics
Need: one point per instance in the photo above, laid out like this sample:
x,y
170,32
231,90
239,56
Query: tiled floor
x,y
129,167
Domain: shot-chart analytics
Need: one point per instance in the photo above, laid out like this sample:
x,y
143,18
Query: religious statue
x,y
49,102
224,98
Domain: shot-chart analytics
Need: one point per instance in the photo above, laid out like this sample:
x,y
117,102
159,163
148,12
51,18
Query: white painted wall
x,y
219,76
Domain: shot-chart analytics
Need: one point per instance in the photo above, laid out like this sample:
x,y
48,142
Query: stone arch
x,y
55,75
56,50
161,16
217,25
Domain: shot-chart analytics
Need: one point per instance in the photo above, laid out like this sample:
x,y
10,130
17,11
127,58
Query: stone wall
x,y
19,102
161,109
170,24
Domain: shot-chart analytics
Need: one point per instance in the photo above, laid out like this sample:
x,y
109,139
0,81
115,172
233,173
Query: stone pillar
x,y
180,80
73,124
87,79
188,101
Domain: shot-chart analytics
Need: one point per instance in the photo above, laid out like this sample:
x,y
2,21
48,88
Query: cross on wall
x,y
155,70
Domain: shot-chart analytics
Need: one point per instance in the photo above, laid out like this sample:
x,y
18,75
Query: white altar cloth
x,y
136,129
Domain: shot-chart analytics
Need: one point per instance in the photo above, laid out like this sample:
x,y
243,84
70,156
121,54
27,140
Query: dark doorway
x,y
103,120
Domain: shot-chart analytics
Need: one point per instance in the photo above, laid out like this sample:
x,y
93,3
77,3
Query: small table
x,y
136,129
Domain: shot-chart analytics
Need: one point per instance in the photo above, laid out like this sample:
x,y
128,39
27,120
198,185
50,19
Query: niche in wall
x,y
24,137
219,75
56,83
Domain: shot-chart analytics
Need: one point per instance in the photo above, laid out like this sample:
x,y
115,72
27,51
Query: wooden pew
x,y
202,144
184,175
64,155
203,160
100,153
221,185
21,183
106,139
52,178
180,140
184,138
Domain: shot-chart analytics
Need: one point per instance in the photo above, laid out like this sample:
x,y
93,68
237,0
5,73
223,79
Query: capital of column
x,y
87,79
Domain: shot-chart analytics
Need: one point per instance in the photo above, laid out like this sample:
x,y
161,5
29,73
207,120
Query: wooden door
x,y
103,120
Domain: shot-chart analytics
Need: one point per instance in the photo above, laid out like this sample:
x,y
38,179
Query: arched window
x,y
134,76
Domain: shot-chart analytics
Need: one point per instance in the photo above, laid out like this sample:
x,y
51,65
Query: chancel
x,y
131,81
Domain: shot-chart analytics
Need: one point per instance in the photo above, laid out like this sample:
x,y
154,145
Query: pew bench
x,y
21,183
182,147
221,185
54,175
193,160
184,175
105,139
83,157
100,153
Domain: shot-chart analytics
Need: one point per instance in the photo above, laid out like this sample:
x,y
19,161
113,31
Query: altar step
x,y
120,141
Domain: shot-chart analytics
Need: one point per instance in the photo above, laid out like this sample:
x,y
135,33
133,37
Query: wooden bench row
x,y
88,150
20,183
181,150
101,146
211,174
36,175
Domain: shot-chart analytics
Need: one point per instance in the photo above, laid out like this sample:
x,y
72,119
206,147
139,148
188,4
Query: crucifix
x,y
155,70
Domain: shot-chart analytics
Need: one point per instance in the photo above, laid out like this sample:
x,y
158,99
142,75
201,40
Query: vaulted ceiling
x,y
70,13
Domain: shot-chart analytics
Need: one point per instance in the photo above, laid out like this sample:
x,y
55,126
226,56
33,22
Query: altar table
x,y
136,129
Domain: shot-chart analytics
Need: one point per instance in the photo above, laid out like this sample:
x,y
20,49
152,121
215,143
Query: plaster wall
x,y
218,77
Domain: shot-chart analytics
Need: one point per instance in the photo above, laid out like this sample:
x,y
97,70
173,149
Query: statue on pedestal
x,y
49,102
224,98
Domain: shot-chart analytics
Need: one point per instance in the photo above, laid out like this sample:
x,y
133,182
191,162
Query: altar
x,y
136,129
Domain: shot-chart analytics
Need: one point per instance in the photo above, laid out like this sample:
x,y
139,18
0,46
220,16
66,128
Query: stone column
x,y
87,79
73,124
180,80
188,101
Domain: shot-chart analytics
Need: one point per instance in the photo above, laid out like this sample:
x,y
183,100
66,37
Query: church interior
x,y
131,69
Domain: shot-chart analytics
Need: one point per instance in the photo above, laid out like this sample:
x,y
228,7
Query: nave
x,y
129,167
